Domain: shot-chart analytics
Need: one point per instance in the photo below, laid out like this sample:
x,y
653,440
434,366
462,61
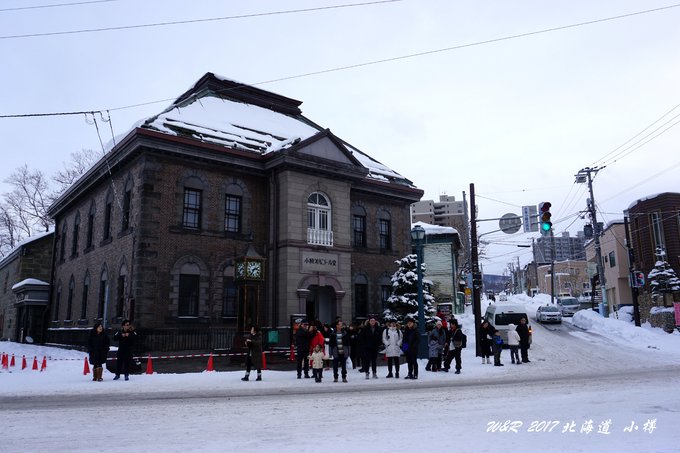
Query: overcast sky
x,y
516,117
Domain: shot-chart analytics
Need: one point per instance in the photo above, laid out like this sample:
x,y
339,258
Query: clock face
x,y
254,269
240,270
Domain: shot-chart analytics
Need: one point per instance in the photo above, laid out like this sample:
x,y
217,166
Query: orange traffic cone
x,y
264,361
210,364
23,362
11,363
149,365
292,353
86,368
4,360
35,363
43,367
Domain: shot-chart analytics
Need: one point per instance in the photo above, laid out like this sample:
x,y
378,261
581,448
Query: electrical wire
x,y
194,21
386,60
56,5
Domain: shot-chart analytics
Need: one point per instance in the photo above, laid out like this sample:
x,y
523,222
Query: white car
x,y
568,305
548,313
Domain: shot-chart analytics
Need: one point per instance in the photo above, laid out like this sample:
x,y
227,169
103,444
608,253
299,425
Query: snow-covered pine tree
x,y
662,278
404,299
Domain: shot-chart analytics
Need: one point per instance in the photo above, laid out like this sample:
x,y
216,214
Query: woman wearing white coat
x,y
392,339
513,342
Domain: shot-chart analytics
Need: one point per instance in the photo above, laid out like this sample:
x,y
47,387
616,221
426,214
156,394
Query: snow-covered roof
x,y
435,229
24,242
649,197
224,112
30,281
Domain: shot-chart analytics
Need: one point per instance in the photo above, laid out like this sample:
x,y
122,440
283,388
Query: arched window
x,y
108,212
120,294
69,301
319,220
189,289
360,296
86,292
127,206
89,239
57,302
62,244
103,294
76,233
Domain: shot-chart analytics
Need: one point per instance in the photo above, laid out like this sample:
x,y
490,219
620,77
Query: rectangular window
x,y
127,202
188,295
385,293
311,218
612,259
191,217
657,229
83,308
106,234
232,214
229,303
359,226
385,235
360,300
323,219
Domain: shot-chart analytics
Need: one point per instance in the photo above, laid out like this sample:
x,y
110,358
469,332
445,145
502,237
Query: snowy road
x,y
610,388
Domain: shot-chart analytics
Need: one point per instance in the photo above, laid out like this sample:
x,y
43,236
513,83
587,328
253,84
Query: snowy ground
x,y
593,385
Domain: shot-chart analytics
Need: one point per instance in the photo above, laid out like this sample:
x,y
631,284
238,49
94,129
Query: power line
x,y
194,21
374,62
20,8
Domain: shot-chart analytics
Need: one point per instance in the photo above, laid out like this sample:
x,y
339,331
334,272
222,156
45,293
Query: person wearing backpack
x,y
458,342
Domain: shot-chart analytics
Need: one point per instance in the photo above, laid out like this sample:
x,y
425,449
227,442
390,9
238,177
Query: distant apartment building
x,y
566,248
447,212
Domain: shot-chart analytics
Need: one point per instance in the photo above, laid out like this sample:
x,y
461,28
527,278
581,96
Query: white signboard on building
x,y
530,218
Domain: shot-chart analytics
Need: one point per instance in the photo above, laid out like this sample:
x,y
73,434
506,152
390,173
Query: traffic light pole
x,y
552,267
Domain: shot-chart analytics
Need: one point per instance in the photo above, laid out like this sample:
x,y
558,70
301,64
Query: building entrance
x,y
321,304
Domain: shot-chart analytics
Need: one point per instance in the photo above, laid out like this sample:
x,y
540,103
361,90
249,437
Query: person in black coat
x,y
125,337
410,346
455,347
98,348
302,338
371,339
354,349
524,336
486,334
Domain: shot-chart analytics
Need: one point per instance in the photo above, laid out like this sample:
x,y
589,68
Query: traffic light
x,y
544,217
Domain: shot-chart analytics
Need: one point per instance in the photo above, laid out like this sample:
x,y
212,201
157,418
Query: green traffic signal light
x,y
544,216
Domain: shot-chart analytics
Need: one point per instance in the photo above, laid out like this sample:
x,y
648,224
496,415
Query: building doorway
x,y
321,304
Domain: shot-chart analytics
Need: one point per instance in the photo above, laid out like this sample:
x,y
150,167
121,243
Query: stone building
x,y
24,275
653,222
229,208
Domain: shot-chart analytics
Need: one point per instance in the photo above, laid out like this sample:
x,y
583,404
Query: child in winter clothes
x,y
513,342
497,348
316,358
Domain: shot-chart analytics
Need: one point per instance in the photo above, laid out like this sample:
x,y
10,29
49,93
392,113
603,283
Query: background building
x,y
566,248
25,274
447,212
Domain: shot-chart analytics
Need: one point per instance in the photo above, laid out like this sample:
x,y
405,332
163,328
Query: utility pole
x,y
552,267
476,275
584,175
631,270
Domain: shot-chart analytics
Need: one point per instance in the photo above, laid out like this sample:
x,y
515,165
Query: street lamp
x,y
417,237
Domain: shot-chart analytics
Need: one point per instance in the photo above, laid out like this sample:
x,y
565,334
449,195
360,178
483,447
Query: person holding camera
x,y
125,337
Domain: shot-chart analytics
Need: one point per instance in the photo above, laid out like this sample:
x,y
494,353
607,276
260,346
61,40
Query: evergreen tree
x,y
403,303
662,278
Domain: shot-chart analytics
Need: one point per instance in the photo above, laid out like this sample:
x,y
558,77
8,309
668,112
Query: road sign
x,y
530,218
510,223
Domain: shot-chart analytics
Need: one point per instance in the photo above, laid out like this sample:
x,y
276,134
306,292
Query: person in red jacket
x,y
315,337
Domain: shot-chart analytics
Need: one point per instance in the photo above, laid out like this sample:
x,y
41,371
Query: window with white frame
x,y
657,229
319,220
